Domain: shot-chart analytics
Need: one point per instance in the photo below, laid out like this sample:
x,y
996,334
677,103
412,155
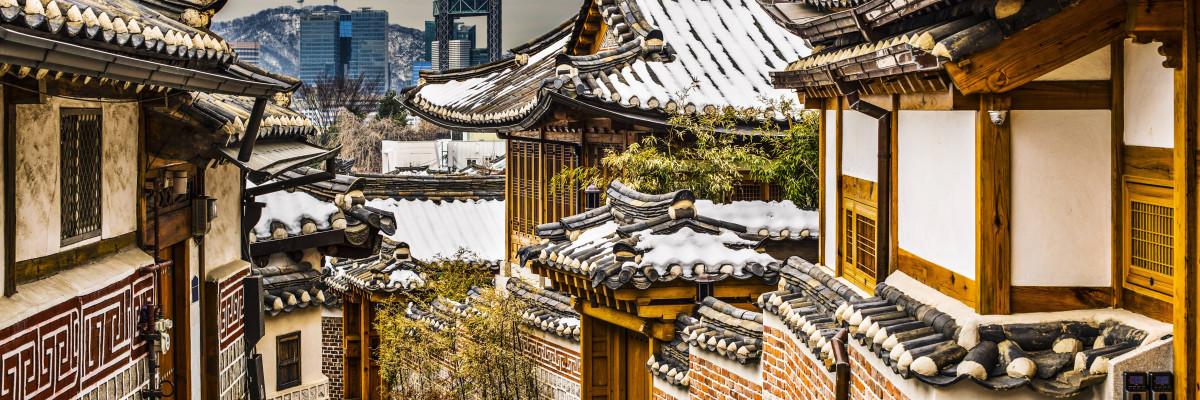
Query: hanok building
x,y
603,80
457,218
994,159
118,214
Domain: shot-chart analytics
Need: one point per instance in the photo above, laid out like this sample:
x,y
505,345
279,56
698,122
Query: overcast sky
x,y
523,19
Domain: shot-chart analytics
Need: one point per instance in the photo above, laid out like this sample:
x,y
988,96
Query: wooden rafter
x,y
1073,33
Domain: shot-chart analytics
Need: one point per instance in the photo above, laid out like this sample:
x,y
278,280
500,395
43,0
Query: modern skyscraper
x,y
246,51
369,47
340,45
417,67
463,52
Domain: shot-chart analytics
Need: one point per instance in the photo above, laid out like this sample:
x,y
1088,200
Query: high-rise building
x,y
464,35
369,47
340,45
246,51
319,46
460,53
417,67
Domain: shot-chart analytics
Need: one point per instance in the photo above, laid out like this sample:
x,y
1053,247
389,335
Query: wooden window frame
x,y
852,210
73,176
283,364
1148,283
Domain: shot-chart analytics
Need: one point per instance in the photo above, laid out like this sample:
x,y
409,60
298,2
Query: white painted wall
x,y
222,244
193,343
1149,99
860,143
1092,67
458,152
38,227
936,187
398,154
830,236
307,321
1062,198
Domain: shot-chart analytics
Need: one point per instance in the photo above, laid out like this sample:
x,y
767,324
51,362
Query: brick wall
x,y
331,354
711,381
560,367
791,373
868,383
659,394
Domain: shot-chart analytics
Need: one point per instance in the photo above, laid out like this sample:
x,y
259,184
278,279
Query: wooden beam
x,y
993,202
1147,162
1155,15
1027,299
943,100
668,292
37,268
837,170
1117,166
1064,95
935,276
624,320
893,194
1187,221
822,189
1074,32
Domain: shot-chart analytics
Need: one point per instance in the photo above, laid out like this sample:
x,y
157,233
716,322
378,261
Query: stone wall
x,y
331,354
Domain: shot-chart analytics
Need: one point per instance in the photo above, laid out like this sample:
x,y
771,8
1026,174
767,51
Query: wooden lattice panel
x,y
1149,239
859,238
80,174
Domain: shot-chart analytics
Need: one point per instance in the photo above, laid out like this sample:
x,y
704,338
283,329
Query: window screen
x,y
80,174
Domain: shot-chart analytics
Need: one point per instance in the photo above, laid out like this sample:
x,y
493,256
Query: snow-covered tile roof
x,y
233,112
291,285
663,57
672,362
640,239
547,310
434,229
726,330
294,213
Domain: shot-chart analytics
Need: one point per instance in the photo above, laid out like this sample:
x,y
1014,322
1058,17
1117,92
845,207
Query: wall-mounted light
x,y
179,180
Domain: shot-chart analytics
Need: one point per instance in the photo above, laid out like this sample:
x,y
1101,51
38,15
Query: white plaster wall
x,y
936,187
397,154
308,322
222,244
459,152
1092,67
1149,97
38,227
1062,198
860,141
193,343
829,237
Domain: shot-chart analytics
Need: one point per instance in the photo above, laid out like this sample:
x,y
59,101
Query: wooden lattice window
x,y
562,201
860,235
287,358
748,191
1149,239
80,169
524,160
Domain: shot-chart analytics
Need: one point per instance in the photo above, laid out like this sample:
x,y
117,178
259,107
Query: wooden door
x,y
597,357
174,300
617,359
637,377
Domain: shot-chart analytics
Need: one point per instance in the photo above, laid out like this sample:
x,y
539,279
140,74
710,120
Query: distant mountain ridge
x,y
277,30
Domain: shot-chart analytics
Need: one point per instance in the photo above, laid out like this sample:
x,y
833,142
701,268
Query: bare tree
x,y
362,138
323,100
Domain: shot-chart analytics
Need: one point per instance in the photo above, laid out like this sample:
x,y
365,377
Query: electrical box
x,y
1137,386
1162,386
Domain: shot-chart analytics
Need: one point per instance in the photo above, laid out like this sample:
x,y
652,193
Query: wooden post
x,y
822,170
10,194
510,199
1117,143
894,191
1187,100
839,229
993,204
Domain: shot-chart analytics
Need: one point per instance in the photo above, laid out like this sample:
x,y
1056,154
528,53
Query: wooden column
x,y
839,229
993,204
894,189
822,170
1187,100
1117,144
510,200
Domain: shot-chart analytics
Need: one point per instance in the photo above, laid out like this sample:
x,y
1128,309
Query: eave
x,y
39,53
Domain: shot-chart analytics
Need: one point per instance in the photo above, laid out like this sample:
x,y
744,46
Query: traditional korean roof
x,y
726,330
672,363
127,41
659,58
309,222
640,239
396,269
434,187
884,38
472,229
1058,358
292,284
548,311
441,313
230,114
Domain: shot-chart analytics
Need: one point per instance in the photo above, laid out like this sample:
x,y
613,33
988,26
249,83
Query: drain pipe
x,y
884,205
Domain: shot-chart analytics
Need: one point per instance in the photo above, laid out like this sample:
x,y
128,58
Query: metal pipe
x,y
251,134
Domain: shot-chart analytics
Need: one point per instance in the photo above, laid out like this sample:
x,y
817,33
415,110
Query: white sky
x,y
523,19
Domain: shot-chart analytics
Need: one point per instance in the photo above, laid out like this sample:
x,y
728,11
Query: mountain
x,y
277,30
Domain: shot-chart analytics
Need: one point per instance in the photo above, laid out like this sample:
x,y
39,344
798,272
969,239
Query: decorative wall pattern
x,y
233,371
75,346
232,355
559,368
316,392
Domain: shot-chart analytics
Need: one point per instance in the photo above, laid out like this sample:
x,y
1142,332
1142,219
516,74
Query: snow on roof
x,y
440,229
687,247
767,218
689,56
292,210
